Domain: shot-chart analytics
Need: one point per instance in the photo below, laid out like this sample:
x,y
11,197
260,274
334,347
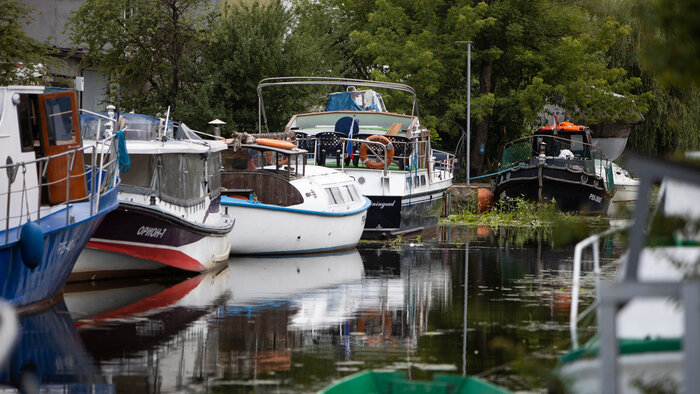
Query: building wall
x,y
48,25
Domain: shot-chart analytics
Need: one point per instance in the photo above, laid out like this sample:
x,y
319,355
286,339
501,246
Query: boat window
x,y
334,195
214,174
577,142
422,180
140,171
416,181
331,199
59,120
242,159
181,178
408,182
28,121
352,192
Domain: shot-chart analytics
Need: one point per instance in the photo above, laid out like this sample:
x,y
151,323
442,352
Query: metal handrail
x,y
383,147
593,241
42,166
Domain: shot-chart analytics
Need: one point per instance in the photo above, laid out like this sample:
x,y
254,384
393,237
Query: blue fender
x,y
31,243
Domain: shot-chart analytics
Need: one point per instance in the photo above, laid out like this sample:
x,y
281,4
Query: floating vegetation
x,y
527,221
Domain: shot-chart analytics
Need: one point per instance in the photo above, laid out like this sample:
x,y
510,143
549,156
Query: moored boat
x,y
283,206
168,214
52,202
557,163
389,154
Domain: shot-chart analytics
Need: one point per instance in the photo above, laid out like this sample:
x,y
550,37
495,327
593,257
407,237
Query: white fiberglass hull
x,y
268,229
637,373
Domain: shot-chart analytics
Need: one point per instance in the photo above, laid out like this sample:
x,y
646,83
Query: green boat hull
x,y
371,382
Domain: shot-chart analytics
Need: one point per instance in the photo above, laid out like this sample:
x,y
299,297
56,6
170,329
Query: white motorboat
x,y
169,214
389,154
648,318
283,206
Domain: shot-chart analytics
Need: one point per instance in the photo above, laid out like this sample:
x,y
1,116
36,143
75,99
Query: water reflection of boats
x,y
156,343
255,280
49,356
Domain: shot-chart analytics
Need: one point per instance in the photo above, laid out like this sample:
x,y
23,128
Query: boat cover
x,y
343,101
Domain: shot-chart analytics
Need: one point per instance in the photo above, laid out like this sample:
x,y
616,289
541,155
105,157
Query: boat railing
x,y
577,153
594,243
612,295
101,173
443,165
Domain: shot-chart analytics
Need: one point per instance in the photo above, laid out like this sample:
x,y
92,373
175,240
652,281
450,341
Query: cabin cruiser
x,y
389,154
283,206
53,196
169,214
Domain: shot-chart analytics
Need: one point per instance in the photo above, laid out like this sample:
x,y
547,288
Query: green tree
x,y
258,41
526,53
150,49
659,50
20,55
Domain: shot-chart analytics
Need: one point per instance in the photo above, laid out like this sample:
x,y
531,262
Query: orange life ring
x,y
274,143
378,164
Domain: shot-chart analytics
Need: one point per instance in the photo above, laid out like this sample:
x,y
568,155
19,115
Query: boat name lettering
x,y
595,198
381,205
65,246
153,232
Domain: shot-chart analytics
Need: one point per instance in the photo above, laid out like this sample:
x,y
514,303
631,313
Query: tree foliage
x,y
253,42
22,59
150,49
526,53
670,125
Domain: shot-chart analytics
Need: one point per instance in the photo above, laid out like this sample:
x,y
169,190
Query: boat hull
x,y
395,215
636,371
30,289
267,229
150,240
573,191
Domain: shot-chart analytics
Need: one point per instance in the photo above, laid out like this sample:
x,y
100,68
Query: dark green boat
x,y
371,382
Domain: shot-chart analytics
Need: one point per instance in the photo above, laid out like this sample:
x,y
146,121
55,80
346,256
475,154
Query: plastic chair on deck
x,y
329,143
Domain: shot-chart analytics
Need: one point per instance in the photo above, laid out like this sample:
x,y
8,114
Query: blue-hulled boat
x,y
51,201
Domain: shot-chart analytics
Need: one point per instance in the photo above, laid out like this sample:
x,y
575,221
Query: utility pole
x,y
469,102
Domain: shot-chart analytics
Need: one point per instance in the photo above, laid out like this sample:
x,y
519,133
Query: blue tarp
x,y
343,101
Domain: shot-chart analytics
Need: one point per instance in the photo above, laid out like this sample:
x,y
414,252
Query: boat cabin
x,y
173,164
43,126
263,173
563,140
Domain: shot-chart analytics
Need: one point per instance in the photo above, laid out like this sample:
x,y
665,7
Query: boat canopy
x,y
363,100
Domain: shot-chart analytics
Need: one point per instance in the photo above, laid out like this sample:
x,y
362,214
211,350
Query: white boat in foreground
x,y
283,206
649,318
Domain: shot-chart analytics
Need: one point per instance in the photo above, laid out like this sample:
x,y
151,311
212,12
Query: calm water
x,y
295,324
